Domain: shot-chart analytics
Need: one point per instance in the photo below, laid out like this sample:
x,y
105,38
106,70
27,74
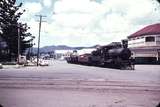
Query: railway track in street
x,y
90,84
79,86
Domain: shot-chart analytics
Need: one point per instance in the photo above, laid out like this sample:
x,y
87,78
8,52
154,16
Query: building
x,y
145,44
61,54
85,51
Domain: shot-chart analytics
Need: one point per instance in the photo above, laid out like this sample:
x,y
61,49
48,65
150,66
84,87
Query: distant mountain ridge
x,y
59,47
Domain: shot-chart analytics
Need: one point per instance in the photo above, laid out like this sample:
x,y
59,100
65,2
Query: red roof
x,y
148,30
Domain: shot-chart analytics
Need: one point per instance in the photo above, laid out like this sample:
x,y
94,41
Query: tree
x,y
9,17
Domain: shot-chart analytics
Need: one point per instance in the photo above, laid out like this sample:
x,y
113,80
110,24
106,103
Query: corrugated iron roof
x,y
148,30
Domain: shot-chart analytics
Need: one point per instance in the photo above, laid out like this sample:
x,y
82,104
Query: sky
x,y
88,22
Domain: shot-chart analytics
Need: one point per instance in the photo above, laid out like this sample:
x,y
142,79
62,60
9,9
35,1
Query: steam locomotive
x,y
115,55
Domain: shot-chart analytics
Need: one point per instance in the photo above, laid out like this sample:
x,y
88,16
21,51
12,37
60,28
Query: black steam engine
x,y
115,55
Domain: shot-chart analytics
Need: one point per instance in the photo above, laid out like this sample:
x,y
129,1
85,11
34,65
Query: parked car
x,y
43,62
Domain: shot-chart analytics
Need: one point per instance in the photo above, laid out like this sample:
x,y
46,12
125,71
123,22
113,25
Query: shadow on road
x,y
1,105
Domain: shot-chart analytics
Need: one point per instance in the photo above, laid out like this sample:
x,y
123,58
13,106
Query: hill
x,y
59,47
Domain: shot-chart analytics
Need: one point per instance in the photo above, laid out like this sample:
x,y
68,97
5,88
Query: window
x,y
150,39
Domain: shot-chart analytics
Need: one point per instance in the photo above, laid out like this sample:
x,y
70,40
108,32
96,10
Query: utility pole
x,y
18,43
40,22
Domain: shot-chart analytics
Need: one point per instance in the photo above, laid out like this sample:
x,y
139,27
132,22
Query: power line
x,y
40,23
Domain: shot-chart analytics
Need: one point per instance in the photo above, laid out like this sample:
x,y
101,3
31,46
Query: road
x,y
69,85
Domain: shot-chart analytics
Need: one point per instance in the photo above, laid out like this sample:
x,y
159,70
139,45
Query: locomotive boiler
x,y
115,55
119,58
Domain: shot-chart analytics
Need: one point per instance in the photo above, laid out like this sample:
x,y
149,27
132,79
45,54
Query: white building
x,y
61,54
145,44
86,51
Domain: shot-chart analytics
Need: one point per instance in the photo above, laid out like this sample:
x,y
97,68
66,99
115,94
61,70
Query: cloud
x,y
110,19
47,3
91,22
31,9
75,5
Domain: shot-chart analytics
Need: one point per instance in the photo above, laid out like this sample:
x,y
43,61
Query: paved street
x,y
69,85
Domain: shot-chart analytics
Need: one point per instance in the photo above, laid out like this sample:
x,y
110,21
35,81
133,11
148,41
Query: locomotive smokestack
x,y
125,43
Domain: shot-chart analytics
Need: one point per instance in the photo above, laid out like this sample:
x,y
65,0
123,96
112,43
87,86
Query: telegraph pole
x,y
18,43
40,22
